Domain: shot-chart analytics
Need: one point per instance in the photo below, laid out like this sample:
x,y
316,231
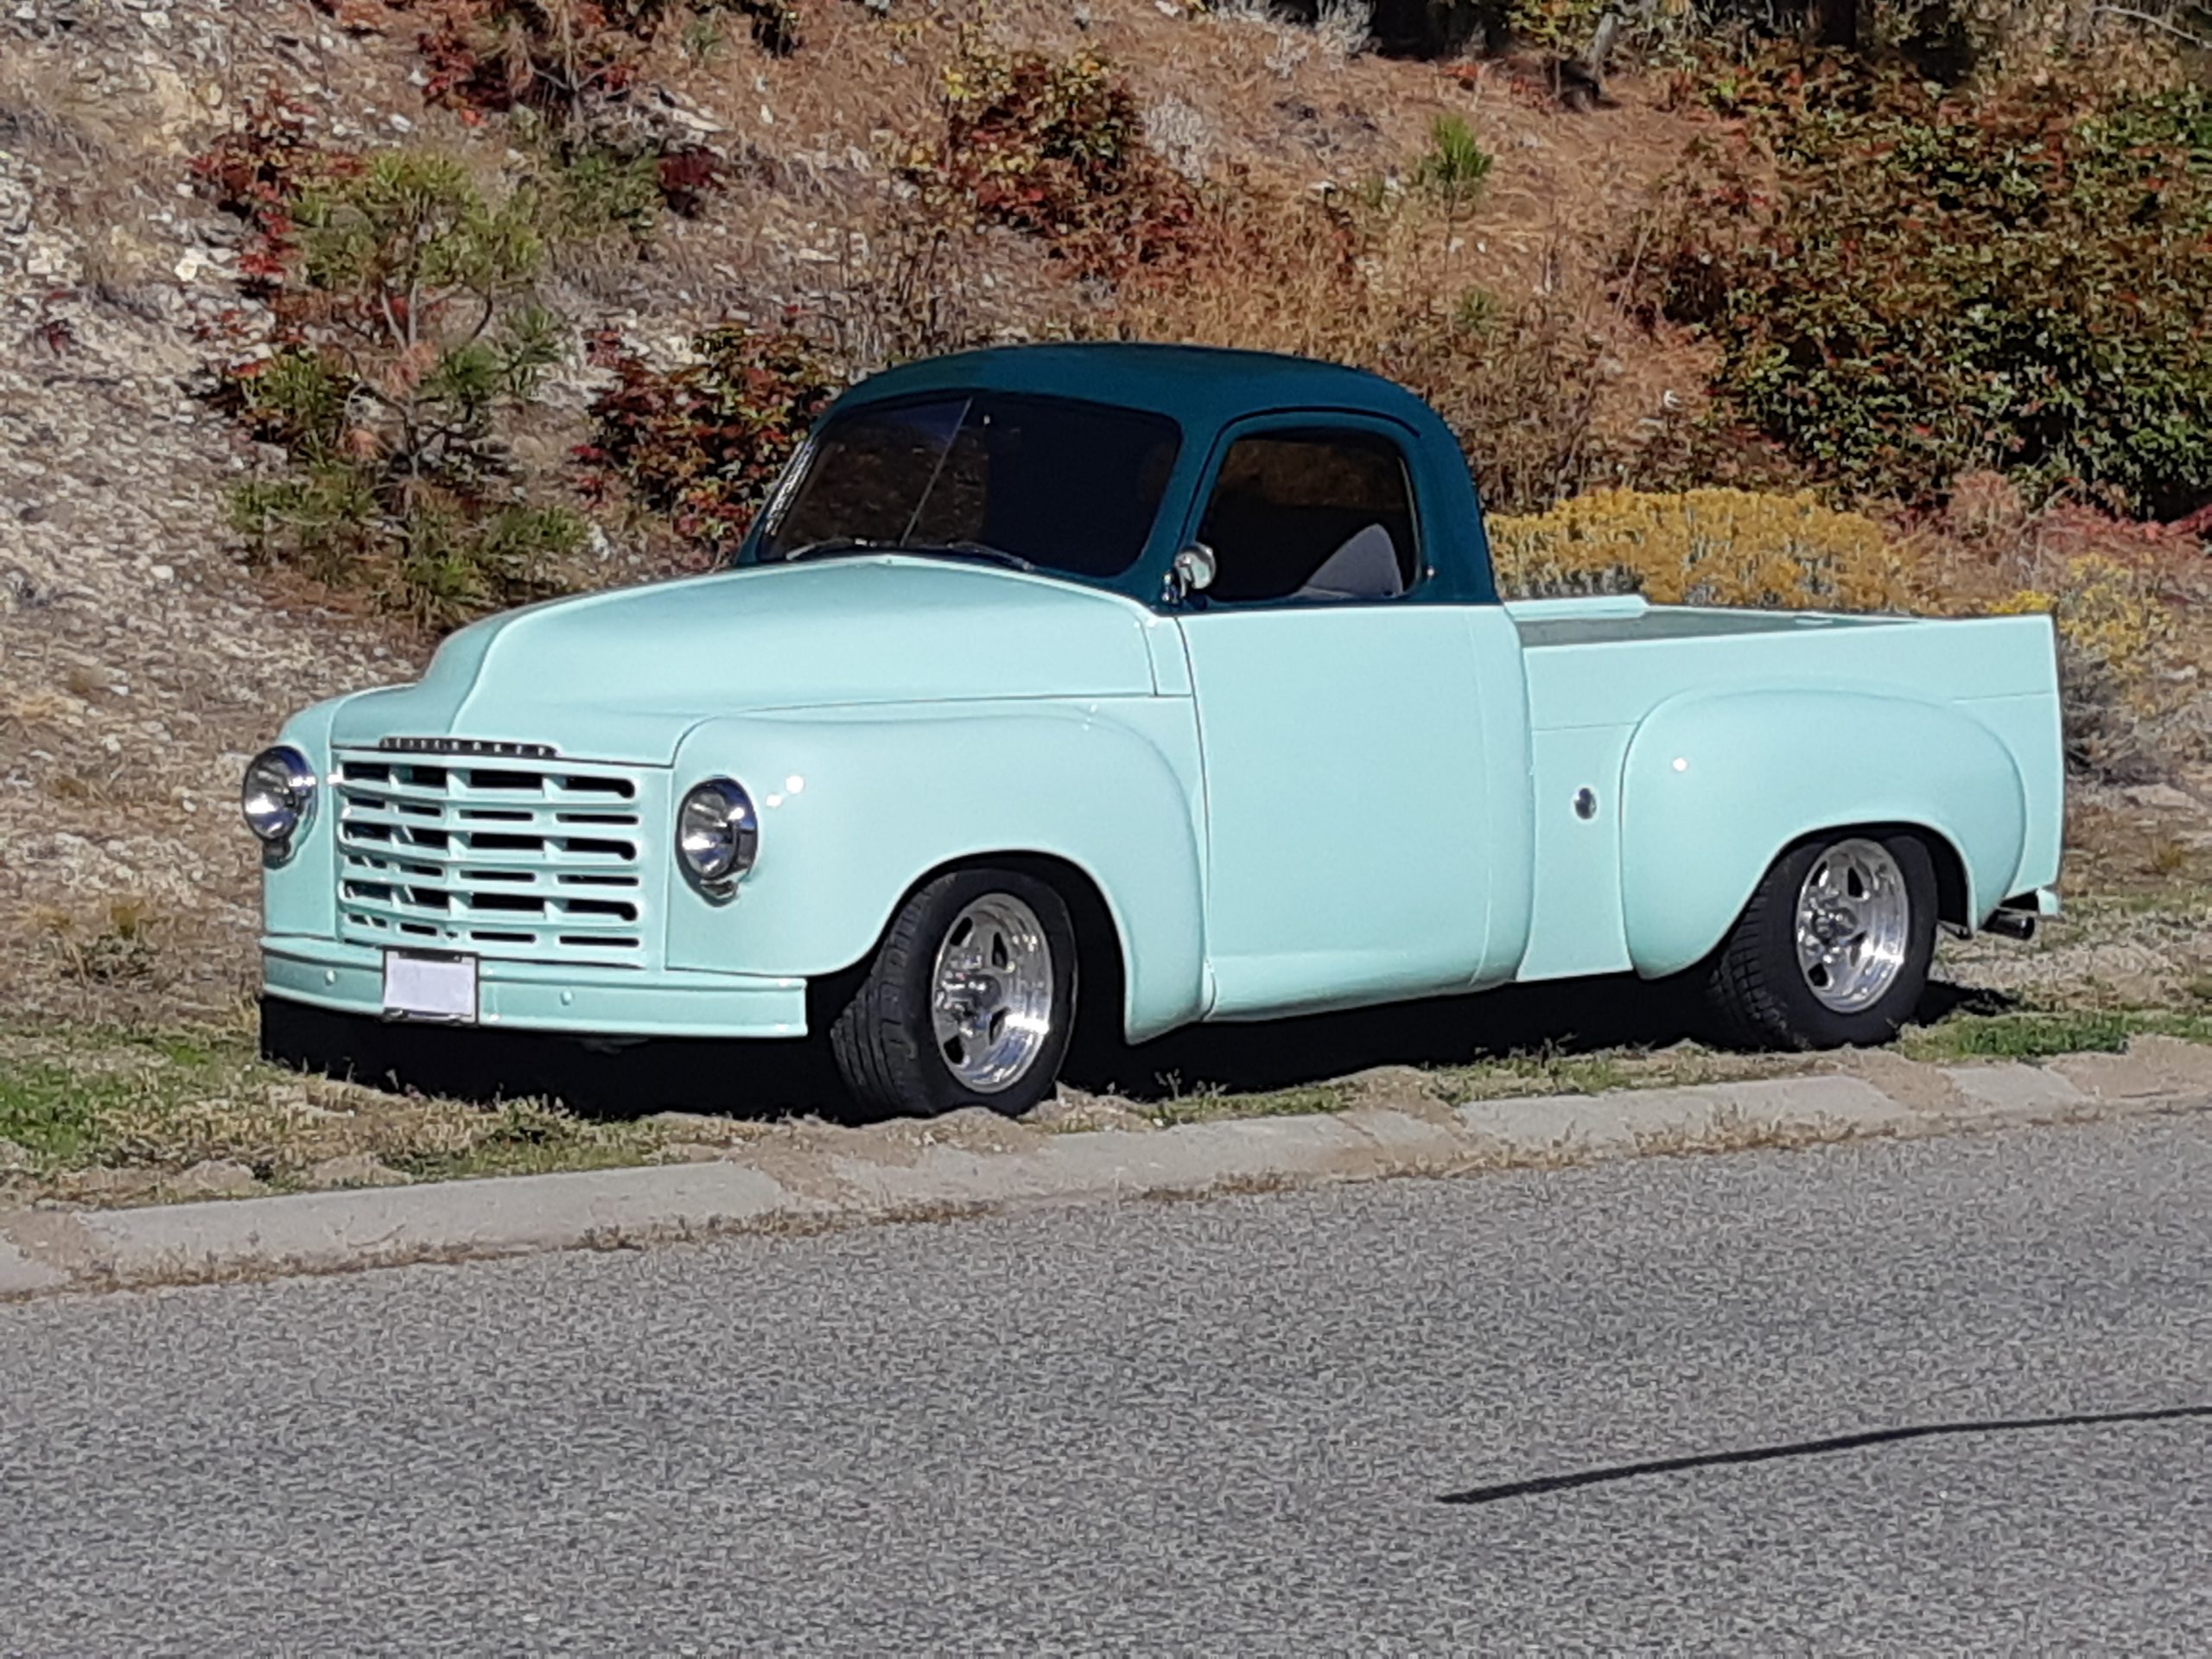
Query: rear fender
x,y
1715,786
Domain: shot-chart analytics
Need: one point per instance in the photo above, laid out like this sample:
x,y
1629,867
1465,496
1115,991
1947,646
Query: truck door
x,y
1346,781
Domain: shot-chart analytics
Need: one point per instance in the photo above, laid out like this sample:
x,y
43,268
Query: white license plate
x,y
418,987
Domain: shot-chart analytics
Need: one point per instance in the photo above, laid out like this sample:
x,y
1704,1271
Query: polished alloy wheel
x,y
1853,925
991,994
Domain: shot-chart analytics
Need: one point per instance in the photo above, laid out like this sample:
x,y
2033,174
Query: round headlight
x,y
277,794
717,832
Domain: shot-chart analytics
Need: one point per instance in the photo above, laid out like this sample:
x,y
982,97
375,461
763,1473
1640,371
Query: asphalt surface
x,y
1228,1425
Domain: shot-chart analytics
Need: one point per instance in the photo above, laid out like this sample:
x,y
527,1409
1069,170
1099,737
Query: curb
x,y
971,1163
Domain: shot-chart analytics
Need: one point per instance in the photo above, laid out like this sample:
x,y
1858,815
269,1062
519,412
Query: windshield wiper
x,y
970,550
831,546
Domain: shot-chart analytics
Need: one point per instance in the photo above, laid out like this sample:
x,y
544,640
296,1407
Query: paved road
x,y
1220,1427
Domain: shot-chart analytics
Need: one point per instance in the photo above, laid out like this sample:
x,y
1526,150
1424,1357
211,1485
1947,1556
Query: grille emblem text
x,y
467,745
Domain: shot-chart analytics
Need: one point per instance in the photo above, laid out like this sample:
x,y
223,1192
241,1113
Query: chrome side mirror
x,y
1192,572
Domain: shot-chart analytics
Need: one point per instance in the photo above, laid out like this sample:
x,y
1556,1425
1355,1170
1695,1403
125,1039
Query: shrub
x,y
1366,279
404,332
2132,603
558,58
2137,709
909,283
487,57
704,442
1456,166
1704,547
1933,281
565,70
256,172
1056,149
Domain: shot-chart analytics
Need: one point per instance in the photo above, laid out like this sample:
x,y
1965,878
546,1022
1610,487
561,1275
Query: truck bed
x,y
1596,668
1617,621
1610,661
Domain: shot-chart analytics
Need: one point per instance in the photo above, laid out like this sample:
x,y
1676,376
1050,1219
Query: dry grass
x,y
1553,1072
1389,279
113,1113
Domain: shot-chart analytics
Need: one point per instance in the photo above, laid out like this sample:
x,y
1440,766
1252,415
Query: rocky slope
x,y
141,662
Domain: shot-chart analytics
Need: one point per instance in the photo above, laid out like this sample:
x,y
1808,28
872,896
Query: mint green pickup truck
x,y
1142,686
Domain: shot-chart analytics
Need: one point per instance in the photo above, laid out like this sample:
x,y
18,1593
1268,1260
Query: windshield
x,y
1033,481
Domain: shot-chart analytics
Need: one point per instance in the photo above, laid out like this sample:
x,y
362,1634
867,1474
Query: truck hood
x,y
623,675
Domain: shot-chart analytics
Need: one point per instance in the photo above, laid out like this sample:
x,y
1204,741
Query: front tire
x,y
1833,948
969,1001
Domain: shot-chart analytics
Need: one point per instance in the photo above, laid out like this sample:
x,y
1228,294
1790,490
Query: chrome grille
x,y
541,860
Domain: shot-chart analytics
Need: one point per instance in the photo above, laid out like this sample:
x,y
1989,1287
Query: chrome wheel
x,y
1855,925
991,994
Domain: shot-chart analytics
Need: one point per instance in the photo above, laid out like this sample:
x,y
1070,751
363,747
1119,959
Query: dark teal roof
x,y
1199,385
1204,390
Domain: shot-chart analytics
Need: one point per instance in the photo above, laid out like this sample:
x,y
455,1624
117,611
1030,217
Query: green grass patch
x,y
78,1098
1205,1105
2032,1035
1551,1071
47,1111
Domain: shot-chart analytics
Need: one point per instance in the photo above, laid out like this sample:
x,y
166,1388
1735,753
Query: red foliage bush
x,y
703,443
258,171
1057,149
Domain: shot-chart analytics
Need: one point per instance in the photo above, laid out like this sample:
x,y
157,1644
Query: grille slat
x,y
533,861
399,908
505,886
559,853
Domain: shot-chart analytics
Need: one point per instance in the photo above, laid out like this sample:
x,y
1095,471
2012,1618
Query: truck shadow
x,y
1560,1021
775,1079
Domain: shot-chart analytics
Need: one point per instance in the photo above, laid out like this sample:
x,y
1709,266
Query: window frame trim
x,y
1401,437
764,529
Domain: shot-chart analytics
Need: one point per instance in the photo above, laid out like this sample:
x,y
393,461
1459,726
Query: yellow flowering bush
x,y
1704,547
2109,615
2132,603
2134,702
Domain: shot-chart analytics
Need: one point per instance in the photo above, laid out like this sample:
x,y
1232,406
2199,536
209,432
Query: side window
x,y
1321,514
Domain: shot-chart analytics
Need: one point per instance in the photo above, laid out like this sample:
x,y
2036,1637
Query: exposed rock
x,y
106,1185
1924,1088
2185,1065
354,1169
690,1152
212,1178
1398,1088
1073,1108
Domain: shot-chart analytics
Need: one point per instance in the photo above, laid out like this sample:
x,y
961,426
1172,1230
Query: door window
x,y
1316,515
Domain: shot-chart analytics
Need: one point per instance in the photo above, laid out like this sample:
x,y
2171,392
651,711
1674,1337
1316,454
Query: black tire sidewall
x,y
1811,1021
934,909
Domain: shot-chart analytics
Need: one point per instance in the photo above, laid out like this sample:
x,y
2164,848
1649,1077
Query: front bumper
x,y
552,996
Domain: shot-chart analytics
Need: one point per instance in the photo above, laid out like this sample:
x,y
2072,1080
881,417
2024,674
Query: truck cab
x,y
1158,686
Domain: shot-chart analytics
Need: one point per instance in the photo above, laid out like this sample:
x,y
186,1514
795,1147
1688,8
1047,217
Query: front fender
x,y
857,805
1716,785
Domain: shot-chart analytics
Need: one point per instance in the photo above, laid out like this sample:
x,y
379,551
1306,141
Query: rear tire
x,y
1833,948
969,1001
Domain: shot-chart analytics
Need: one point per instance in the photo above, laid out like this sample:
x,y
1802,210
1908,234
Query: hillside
x,y
873,181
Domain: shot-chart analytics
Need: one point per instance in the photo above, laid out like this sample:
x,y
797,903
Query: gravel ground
x,y
1225,1425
